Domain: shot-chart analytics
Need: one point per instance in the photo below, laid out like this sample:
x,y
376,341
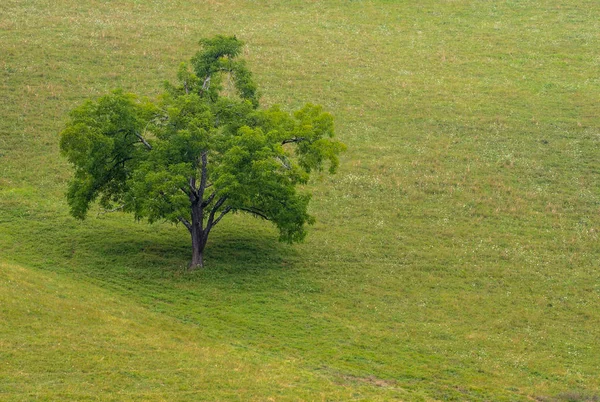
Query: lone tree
x,y
196,155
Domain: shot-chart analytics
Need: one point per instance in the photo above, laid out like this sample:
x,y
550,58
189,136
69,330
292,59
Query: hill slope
x,y
63,339
455,254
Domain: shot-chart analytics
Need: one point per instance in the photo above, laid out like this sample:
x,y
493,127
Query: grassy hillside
x,y
455,254
63,339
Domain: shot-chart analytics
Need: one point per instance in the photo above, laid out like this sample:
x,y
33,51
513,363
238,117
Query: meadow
x,y
455,253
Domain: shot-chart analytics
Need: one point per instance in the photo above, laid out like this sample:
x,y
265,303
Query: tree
x,y
196,155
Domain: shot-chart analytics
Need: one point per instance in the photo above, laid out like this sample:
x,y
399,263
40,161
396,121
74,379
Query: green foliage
x,y
216,59
159,160
100,142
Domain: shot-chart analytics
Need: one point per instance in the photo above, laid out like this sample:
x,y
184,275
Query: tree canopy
x,y
195,154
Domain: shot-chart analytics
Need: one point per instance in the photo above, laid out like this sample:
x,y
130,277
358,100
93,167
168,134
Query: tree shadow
x,y
164,251
150,262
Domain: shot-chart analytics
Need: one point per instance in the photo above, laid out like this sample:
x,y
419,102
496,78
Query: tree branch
x,y
185,223
205,85
223,213
295,139
209,199
203,175
107,211
121,162
192,184
143,141
255,212
211,217
284,163
184,191
192,193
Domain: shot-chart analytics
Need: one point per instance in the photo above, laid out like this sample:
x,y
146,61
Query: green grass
x,y
81,342
455,254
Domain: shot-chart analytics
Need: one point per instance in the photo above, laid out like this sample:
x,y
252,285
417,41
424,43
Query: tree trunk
x,y
198,237
197,254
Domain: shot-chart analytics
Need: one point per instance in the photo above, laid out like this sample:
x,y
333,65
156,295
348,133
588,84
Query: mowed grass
x,y
80,342
455,254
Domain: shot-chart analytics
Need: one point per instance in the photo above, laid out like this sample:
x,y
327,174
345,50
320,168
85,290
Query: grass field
x,y
455,254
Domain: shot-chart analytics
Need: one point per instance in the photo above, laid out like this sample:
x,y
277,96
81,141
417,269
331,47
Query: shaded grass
x,y
455,253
